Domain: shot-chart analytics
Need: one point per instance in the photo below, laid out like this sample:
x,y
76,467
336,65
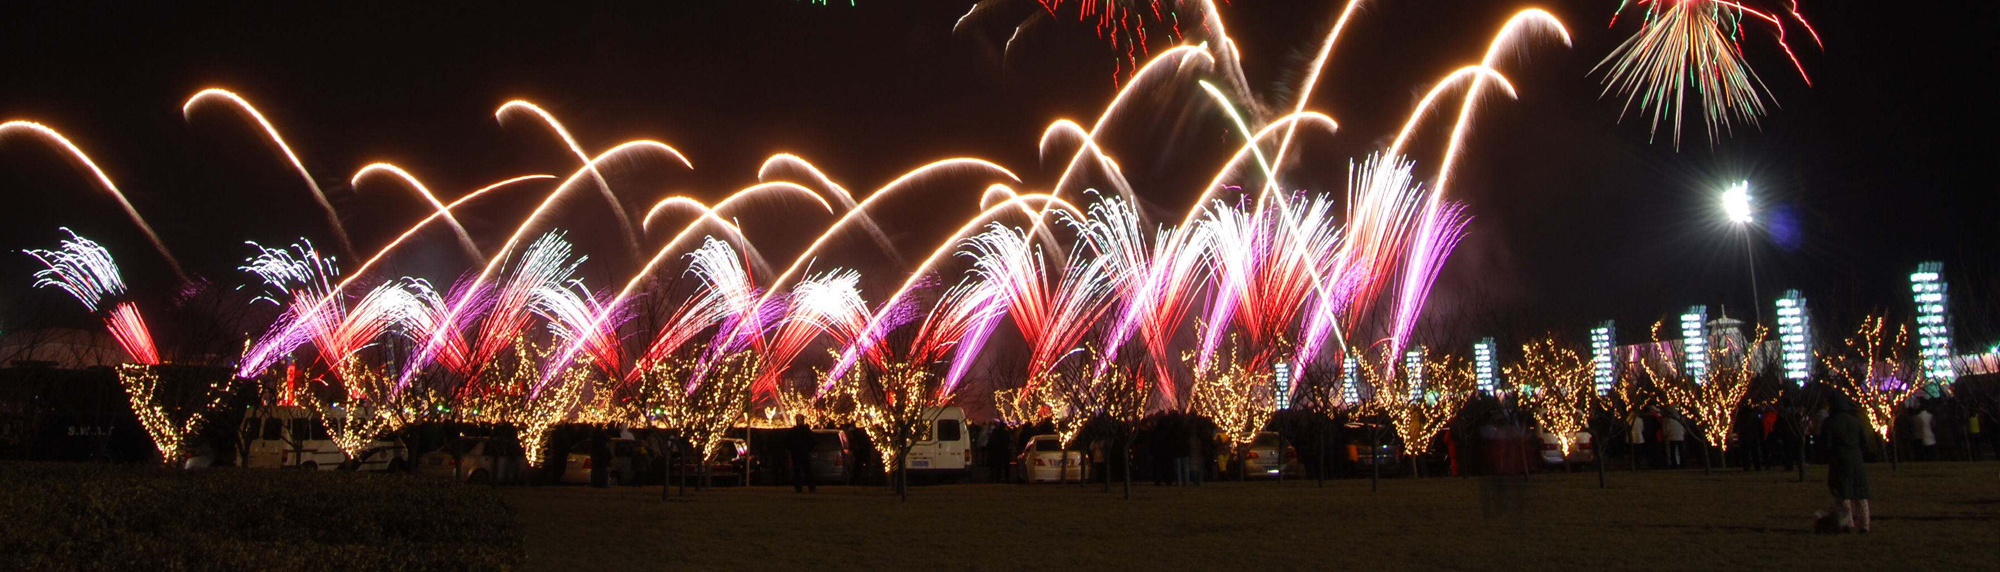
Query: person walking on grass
x,y
1846,477
799,441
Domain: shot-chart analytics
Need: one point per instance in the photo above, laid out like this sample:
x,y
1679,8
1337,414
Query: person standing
x,y
1675,434
1846,476
1926,434
1635,437
999,452
799,441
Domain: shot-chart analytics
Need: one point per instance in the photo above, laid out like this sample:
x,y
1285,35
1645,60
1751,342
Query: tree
x,y
698,398
1709,400
894,404
1102,401
1419,406
1238,399
1556,387
1879,371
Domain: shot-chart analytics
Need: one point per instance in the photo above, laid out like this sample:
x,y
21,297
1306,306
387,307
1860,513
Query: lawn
x,y
58,516
1933,515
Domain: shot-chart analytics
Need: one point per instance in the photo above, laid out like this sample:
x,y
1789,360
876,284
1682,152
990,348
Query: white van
x,y
291,436
944,446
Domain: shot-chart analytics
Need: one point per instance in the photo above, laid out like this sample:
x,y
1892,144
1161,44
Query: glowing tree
x,y
1709,401
893,403
86,271
1104,400
698,399
1235,397
1877,368
1419,406
1627,396
1555,384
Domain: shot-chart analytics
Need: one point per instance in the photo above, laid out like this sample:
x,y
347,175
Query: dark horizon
x,y
1881,164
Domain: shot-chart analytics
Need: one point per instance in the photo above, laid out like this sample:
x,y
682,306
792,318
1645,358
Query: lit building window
x,y
1694,343
1482,364
1934,354
1795,337
1603,369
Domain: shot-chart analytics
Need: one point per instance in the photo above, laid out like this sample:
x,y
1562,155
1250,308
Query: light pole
x,y
1736,205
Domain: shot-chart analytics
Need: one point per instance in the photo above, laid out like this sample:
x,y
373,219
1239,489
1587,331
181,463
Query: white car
x,y
478,460
1043,460
1580,449
291,436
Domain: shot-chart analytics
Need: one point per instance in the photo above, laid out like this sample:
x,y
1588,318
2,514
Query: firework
x,y
1696,45
86,271
219,95
1128,27
51,136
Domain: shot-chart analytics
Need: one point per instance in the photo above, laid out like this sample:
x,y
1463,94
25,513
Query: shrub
x,y
133,517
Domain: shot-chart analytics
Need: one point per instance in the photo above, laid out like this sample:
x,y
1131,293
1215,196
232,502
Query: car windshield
x,y
826,441
1048,445
948,430
462,446
1265,441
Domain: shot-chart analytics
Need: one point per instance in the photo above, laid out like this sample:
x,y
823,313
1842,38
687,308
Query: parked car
x,y
477,460
832,459
291,436
1390,454
944,446
631,463
1262,457
730,461
1580,451
1043,460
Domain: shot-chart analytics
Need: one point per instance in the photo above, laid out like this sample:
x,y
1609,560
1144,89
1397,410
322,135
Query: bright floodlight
x,y
1736,202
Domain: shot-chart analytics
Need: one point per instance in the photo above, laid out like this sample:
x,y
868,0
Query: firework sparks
x,y
1696,45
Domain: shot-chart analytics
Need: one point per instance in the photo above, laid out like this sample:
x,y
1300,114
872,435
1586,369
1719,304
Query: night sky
x,y
1885,161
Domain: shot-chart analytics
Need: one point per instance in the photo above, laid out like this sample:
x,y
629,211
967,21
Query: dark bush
x,y
84,516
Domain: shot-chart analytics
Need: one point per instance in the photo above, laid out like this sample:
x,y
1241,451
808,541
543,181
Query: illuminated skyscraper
x,y
1413,363
1350,391
1482,364
1603,367
1933,323
1281,380
1795,337
1694,343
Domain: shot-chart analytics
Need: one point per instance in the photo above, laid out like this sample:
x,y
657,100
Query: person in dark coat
x,y
999,452
1844,434
799,441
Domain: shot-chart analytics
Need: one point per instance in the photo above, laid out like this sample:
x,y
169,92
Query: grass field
x,y
1927,516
